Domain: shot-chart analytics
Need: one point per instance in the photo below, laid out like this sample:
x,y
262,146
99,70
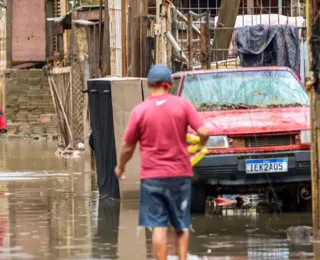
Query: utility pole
x,y
313,88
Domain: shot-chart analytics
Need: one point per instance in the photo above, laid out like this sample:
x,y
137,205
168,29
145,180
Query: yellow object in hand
x,y
196,158
196,150
193,139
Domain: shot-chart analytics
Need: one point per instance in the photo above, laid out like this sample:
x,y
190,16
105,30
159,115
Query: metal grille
x,y
77,102
262,141
267,12
79,49
66,84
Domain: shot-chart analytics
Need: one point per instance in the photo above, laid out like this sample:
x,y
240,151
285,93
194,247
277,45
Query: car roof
x,y
182,73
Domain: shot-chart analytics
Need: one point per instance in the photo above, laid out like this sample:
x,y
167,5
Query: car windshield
x,y
243,90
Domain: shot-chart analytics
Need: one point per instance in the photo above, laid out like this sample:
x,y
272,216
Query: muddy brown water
x,y
49,211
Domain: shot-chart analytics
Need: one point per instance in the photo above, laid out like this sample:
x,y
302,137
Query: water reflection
x,y
48,211
106,236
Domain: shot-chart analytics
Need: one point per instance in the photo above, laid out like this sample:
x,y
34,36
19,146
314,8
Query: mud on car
x,y
259,131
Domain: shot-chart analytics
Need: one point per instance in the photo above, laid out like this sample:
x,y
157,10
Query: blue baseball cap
x,y
160,75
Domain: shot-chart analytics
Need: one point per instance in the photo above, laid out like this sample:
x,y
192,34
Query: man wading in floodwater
x,y
160,125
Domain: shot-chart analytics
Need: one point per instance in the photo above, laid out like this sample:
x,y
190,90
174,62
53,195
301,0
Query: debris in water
x,y
68,152
299,234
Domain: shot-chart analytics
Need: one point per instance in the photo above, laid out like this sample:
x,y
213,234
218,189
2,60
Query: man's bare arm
x,y
126,153
203,133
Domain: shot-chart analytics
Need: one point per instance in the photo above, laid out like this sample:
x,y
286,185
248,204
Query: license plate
x,y
267,165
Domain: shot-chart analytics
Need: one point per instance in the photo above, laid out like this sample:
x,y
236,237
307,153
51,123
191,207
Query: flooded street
x,y
49,210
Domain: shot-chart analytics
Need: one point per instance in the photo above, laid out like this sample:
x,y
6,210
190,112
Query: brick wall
x,y
29,108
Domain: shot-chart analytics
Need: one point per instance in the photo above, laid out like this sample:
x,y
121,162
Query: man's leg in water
x,y
182,244
160,243
180,213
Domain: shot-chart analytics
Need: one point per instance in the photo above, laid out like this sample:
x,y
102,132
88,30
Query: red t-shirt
x,y
160,124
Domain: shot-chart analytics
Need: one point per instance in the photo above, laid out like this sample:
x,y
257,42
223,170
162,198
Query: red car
x,y
260,131
3,125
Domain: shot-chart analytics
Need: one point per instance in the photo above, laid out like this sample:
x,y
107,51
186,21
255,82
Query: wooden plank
x,y
222,36
25,65
60,70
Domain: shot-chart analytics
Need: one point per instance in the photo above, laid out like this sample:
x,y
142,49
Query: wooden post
x,y
106,65
64,11
100,39
9,34
174,24
313,87
134,26
158,31
86,119
143,38
169,29
124,38
224,30
163,48
208,16
190,38
203,44
250,6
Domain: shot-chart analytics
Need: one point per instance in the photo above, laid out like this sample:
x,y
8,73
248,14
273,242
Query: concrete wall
x,y
29,108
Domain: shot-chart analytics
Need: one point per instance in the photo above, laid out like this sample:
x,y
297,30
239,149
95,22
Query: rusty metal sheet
x,y
87,14
28,30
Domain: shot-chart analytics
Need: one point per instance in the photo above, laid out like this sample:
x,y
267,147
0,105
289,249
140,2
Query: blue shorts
x,y
164,202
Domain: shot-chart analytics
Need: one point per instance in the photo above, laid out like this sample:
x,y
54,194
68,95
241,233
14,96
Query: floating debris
x,y
69,153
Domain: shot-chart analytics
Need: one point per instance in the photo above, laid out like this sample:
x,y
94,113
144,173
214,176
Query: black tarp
x,y
262,45
101,116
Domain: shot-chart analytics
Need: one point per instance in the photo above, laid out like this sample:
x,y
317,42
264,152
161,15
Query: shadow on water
x,y
48,211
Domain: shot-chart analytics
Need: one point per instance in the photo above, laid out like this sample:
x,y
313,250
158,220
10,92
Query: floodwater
x,y
49,211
